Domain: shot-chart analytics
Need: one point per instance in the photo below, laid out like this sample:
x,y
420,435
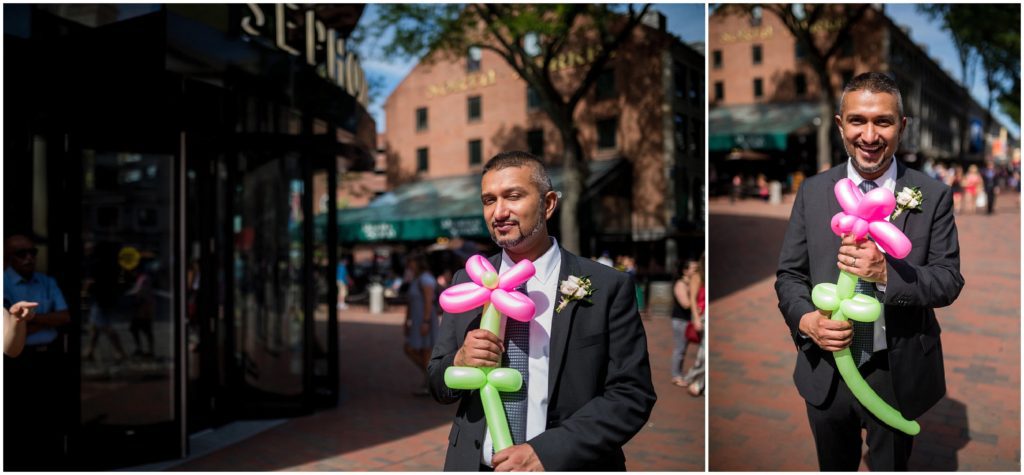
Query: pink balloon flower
x,y
869,214
488,286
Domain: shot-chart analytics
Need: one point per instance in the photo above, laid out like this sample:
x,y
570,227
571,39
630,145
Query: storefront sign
x,y
572,59
379,231
463,227
469,82
321,46
748,34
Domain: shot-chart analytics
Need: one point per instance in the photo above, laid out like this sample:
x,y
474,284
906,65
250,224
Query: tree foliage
x,y
432,32
991,33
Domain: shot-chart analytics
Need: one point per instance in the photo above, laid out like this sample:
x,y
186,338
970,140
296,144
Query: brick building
x,y
765,97
644,116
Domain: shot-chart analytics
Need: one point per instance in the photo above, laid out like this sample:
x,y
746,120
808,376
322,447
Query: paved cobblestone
x,y
975,427
379,425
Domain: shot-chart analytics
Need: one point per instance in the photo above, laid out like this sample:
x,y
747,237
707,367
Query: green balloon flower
x,y
490,382
844,304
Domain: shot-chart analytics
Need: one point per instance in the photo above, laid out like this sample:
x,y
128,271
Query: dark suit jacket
x,y
599,377
927,278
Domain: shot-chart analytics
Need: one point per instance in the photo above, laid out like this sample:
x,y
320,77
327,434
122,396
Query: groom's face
x,y
871,126
515,211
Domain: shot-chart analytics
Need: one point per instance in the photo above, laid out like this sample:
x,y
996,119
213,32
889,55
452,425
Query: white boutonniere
x,y
908,199
574,288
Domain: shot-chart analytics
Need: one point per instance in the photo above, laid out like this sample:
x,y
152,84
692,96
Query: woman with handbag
x,y
682,328
694,378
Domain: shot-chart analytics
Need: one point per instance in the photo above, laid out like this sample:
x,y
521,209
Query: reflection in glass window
x,y
128,339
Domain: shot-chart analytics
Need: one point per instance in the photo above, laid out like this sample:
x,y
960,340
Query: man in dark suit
x,y
900,355
586,376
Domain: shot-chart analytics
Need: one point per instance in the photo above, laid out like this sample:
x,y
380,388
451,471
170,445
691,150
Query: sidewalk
x,y
757,421
379,425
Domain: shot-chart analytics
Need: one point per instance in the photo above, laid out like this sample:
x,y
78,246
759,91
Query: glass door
x,y
129,402
269,267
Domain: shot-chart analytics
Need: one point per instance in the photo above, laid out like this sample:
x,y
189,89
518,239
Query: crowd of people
x,y
977,188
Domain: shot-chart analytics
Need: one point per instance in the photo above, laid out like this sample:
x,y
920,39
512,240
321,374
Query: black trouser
x,y
990,199
34,409
837,425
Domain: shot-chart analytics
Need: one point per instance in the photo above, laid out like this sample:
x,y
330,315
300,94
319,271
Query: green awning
x,y
757,126
428,209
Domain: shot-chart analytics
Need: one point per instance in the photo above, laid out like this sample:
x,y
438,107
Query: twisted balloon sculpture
x,y
863,214
496,294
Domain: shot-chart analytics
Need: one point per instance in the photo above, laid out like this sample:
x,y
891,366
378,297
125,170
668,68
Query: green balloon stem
x,y
491,319
846,286
494,411
863,392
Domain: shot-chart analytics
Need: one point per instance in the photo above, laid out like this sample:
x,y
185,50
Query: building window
x,y
716,58
532,98
421,118
476,152
799,51
531,44
801,84
422,160
535,142
606,130
473,108
473,57
719,90
756,53
755,16
758,88
606,84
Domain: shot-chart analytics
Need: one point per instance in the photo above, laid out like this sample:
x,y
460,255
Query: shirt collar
x,y
887,180
12,276
545,265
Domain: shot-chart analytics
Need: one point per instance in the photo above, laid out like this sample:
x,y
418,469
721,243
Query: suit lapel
x,y
561,322
837,173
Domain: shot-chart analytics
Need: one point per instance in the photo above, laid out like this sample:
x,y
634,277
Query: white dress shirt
x,y
542,289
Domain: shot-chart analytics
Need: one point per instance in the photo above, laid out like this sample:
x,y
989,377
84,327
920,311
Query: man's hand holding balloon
x,y
862,258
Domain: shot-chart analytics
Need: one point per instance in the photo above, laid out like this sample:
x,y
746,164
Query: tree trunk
x,y
572,188
828,112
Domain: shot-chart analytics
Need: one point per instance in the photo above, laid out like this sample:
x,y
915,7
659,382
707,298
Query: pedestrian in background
x,y
681,318
990,174
972,184
35,406
694,378
421,316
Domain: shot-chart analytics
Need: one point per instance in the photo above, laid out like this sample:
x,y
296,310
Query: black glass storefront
x,y
164,158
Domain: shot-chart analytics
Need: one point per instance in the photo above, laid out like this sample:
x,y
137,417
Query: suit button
x,y
477,444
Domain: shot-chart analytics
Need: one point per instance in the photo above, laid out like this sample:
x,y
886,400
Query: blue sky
x,y
687,22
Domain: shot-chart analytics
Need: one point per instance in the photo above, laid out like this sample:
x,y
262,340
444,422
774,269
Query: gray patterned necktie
x,y
863,332
517,357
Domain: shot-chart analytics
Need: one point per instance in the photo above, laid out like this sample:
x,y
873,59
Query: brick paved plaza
x,y
757,420
380,425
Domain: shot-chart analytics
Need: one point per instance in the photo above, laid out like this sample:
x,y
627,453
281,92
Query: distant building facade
x,y
757,68
449,117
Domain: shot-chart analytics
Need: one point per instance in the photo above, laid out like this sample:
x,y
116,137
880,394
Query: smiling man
x,y
586,375
900,355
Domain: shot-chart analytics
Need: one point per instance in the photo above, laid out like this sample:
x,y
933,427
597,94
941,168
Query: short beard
x,y
512,243
851,151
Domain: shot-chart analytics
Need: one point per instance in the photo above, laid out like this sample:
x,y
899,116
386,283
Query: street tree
x,y
990,33
821,32
530,38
